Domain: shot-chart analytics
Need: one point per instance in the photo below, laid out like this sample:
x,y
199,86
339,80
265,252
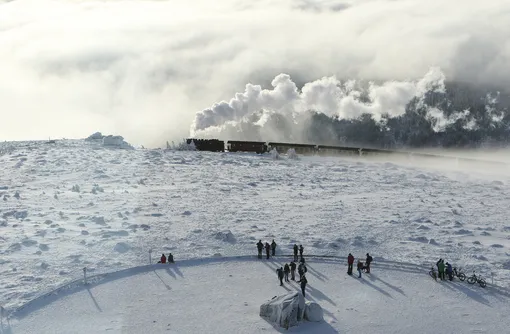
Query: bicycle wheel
x,y
471,280
461,276
482,282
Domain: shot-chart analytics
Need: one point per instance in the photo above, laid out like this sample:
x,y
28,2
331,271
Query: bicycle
x,y
433,273
477,279
459,274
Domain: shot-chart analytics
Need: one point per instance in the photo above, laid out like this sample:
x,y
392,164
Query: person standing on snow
x,y
369,260
163,259
303,281
295,253
360,267
301,249
440,269
302,271
279,272
449,271
260,247
286,271
268,249
350,263
293,271
273,248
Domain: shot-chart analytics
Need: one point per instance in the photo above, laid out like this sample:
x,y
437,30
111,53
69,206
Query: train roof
x,y
245,142
290,144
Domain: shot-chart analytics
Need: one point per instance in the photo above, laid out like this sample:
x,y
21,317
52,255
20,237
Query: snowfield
x,y
224,295
76,204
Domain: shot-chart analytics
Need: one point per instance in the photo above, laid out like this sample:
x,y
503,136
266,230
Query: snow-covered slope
x,y
76,204
224,296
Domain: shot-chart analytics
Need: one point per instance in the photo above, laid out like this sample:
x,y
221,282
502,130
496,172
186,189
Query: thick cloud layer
x,y
144,68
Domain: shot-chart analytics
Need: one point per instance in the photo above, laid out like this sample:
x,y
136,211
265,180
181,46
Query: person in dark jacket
x,y
367,265
301,249
286,271
360,267
293,270
163,259
170,258
295,253
279,272
350,263
302,271
268,249
303,281
260,247
273,248
449,271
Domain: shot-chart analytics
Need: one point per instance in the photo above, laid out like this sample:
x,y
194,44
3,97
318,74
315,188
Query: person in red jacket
x,y
163,258
350,262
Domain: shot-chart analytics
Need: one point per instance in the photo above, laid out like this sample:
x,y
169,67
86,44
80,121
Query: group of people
x,y
290,268
283,273
270,249
360,266
164,259
444,269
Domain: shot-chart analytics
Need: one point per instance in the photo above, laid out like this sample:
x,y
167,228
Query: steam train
x,y
260,147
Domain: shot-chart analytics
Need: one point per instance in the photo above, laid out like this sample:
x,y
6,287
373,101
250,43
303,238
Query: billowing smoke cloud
x,y
143,68
345,100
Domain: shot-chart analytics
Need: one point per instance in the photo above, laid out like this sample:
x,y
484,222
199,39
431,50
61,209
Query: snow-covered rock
x,y
95,136
313,312
286,310
226,236
116,141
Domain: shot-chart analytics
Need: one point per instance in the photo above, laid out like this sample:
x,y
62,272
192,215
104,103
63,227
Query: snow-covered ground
x,y
76,204
224,296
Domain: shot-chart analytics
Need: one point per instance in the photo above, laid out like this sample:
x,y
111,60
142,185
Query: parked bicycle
x,y
477,279
459,274
433,273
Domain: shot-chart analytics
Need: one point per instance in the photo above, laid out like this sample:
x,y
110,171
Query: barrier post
x,y
150,258
492,277
85,275
2,315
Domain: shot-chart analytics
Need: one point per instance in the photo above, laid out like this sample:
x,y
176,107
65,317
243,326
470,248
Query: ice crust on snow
x,y
285,310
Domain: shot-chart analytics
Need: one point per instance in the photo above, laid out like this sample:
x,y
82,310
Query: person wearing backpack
x,y
360,267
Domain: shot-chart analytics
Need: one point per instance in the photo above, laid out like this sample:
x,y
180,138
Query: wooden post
x,y
85,275
150,258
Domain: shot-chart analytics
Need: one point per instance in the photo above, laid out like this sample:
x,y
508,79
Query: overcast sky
x,y
143,69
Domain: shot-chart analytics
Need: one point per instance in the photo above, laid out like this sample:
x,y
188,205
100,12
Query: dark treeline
x,y
486,124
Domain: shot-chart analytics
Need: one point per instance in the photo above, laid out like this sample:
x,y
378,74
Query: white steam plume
x,y
327,95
